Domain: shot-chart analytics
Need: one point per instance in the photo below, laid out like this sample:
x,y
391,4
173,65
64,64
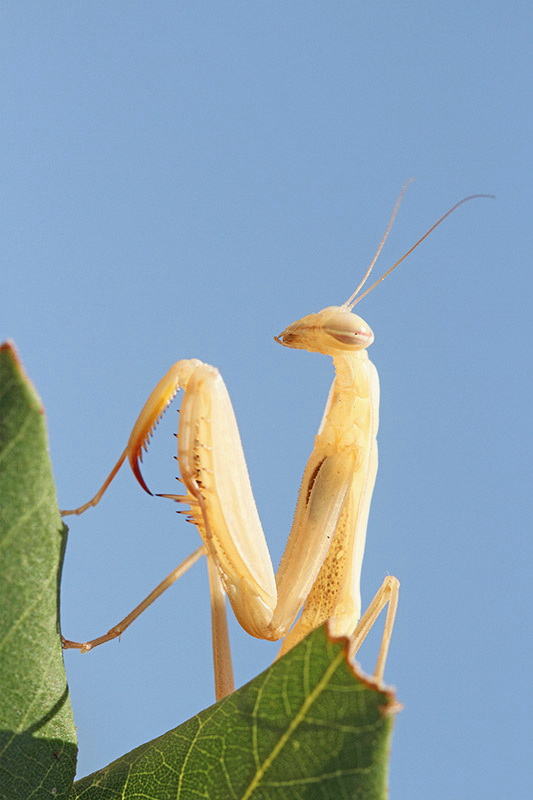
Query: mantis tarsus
x,y
320,568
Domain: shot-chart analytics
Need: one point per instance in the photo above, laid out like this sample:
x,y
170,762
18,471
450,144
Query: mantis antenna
x,y
380,246
352,301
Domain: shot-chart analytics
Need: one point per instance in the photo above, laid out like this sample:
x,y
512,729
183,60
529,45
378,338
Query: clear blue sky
x,y
185,179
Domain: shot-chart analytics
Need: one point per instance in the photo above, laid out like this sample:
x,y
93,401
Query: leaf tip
x,y
9,347
12,356
392,705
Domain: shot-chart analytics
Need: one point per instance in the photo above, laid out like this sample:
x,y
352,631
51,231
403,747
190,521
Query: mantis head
x,y
332,331
337,329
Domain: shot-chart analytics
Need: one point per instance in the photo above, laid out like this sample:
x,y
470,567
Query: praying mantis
x,y
319,573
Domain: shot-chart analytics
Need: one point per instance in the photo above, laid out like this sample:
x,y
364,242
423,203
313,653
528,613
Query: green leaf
x,y
308,727
37,735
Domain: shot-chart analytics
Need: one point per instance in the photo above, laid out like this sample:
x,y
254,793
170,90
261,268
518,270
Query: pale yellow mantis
x,y
320,569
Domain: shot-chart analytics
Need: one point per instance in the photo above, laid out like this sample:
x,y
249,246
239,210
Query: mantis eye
x,y
349,330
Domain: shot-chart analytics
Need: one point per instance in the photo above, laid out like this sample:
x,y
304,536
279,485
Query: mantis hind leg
x,y
222,661
387,595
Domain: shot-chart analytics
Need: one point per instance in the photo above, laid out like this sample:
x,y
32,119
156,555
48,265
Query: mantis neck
x,y
350,417
350,369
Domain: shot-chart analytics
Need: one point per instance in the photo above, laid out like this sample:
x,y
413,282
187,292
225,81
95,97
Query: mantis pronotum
x,y
321,566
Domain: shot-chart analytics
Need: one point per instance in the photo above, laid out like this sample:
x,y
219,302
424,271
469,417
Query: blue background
x,y
184,180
